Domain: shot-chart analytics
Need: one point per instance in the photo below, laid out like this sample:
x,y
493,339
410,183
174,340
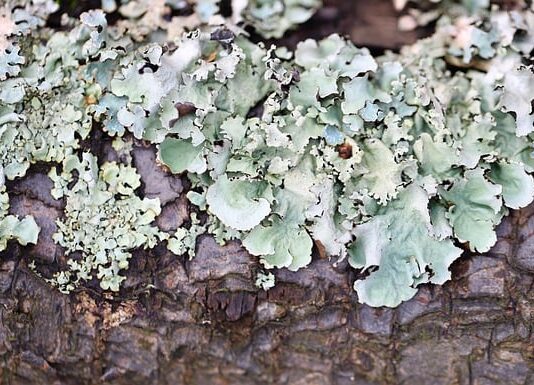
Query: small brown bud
x,y
344,150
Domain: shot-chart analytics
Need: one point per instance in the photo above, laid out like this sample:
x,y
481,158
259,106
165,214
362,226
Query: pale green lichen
x,y
398,239
43,99
24,230
104,220
265,281
385,160
184,240
407,130
272,18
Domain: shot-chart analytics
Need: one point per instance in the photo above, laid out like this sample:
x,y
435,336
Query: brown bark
x,y
204,322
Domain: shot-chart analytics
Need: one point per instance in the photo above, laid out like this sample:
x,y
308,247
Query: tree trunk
x,y
202,321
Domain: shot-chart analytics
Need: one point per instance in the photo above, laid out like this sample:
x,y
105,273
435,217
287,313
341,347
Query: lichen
x,y
104,220
385,160
24,231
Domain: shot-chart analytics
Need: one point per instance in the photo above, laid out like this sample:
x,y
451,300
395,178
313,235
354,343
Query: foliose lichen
x,y
386,161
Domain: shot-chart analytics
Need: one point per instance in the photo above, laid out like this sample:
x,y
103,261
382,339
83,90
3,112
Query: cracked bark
x,y
204,322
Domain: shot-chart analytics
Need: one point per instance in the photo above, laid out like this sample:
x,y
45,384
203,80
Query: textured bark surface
x,y
204,322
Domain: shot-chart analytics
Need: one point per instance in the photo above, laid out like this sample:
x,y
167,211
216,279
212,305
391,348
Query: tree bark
x,y
202,321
